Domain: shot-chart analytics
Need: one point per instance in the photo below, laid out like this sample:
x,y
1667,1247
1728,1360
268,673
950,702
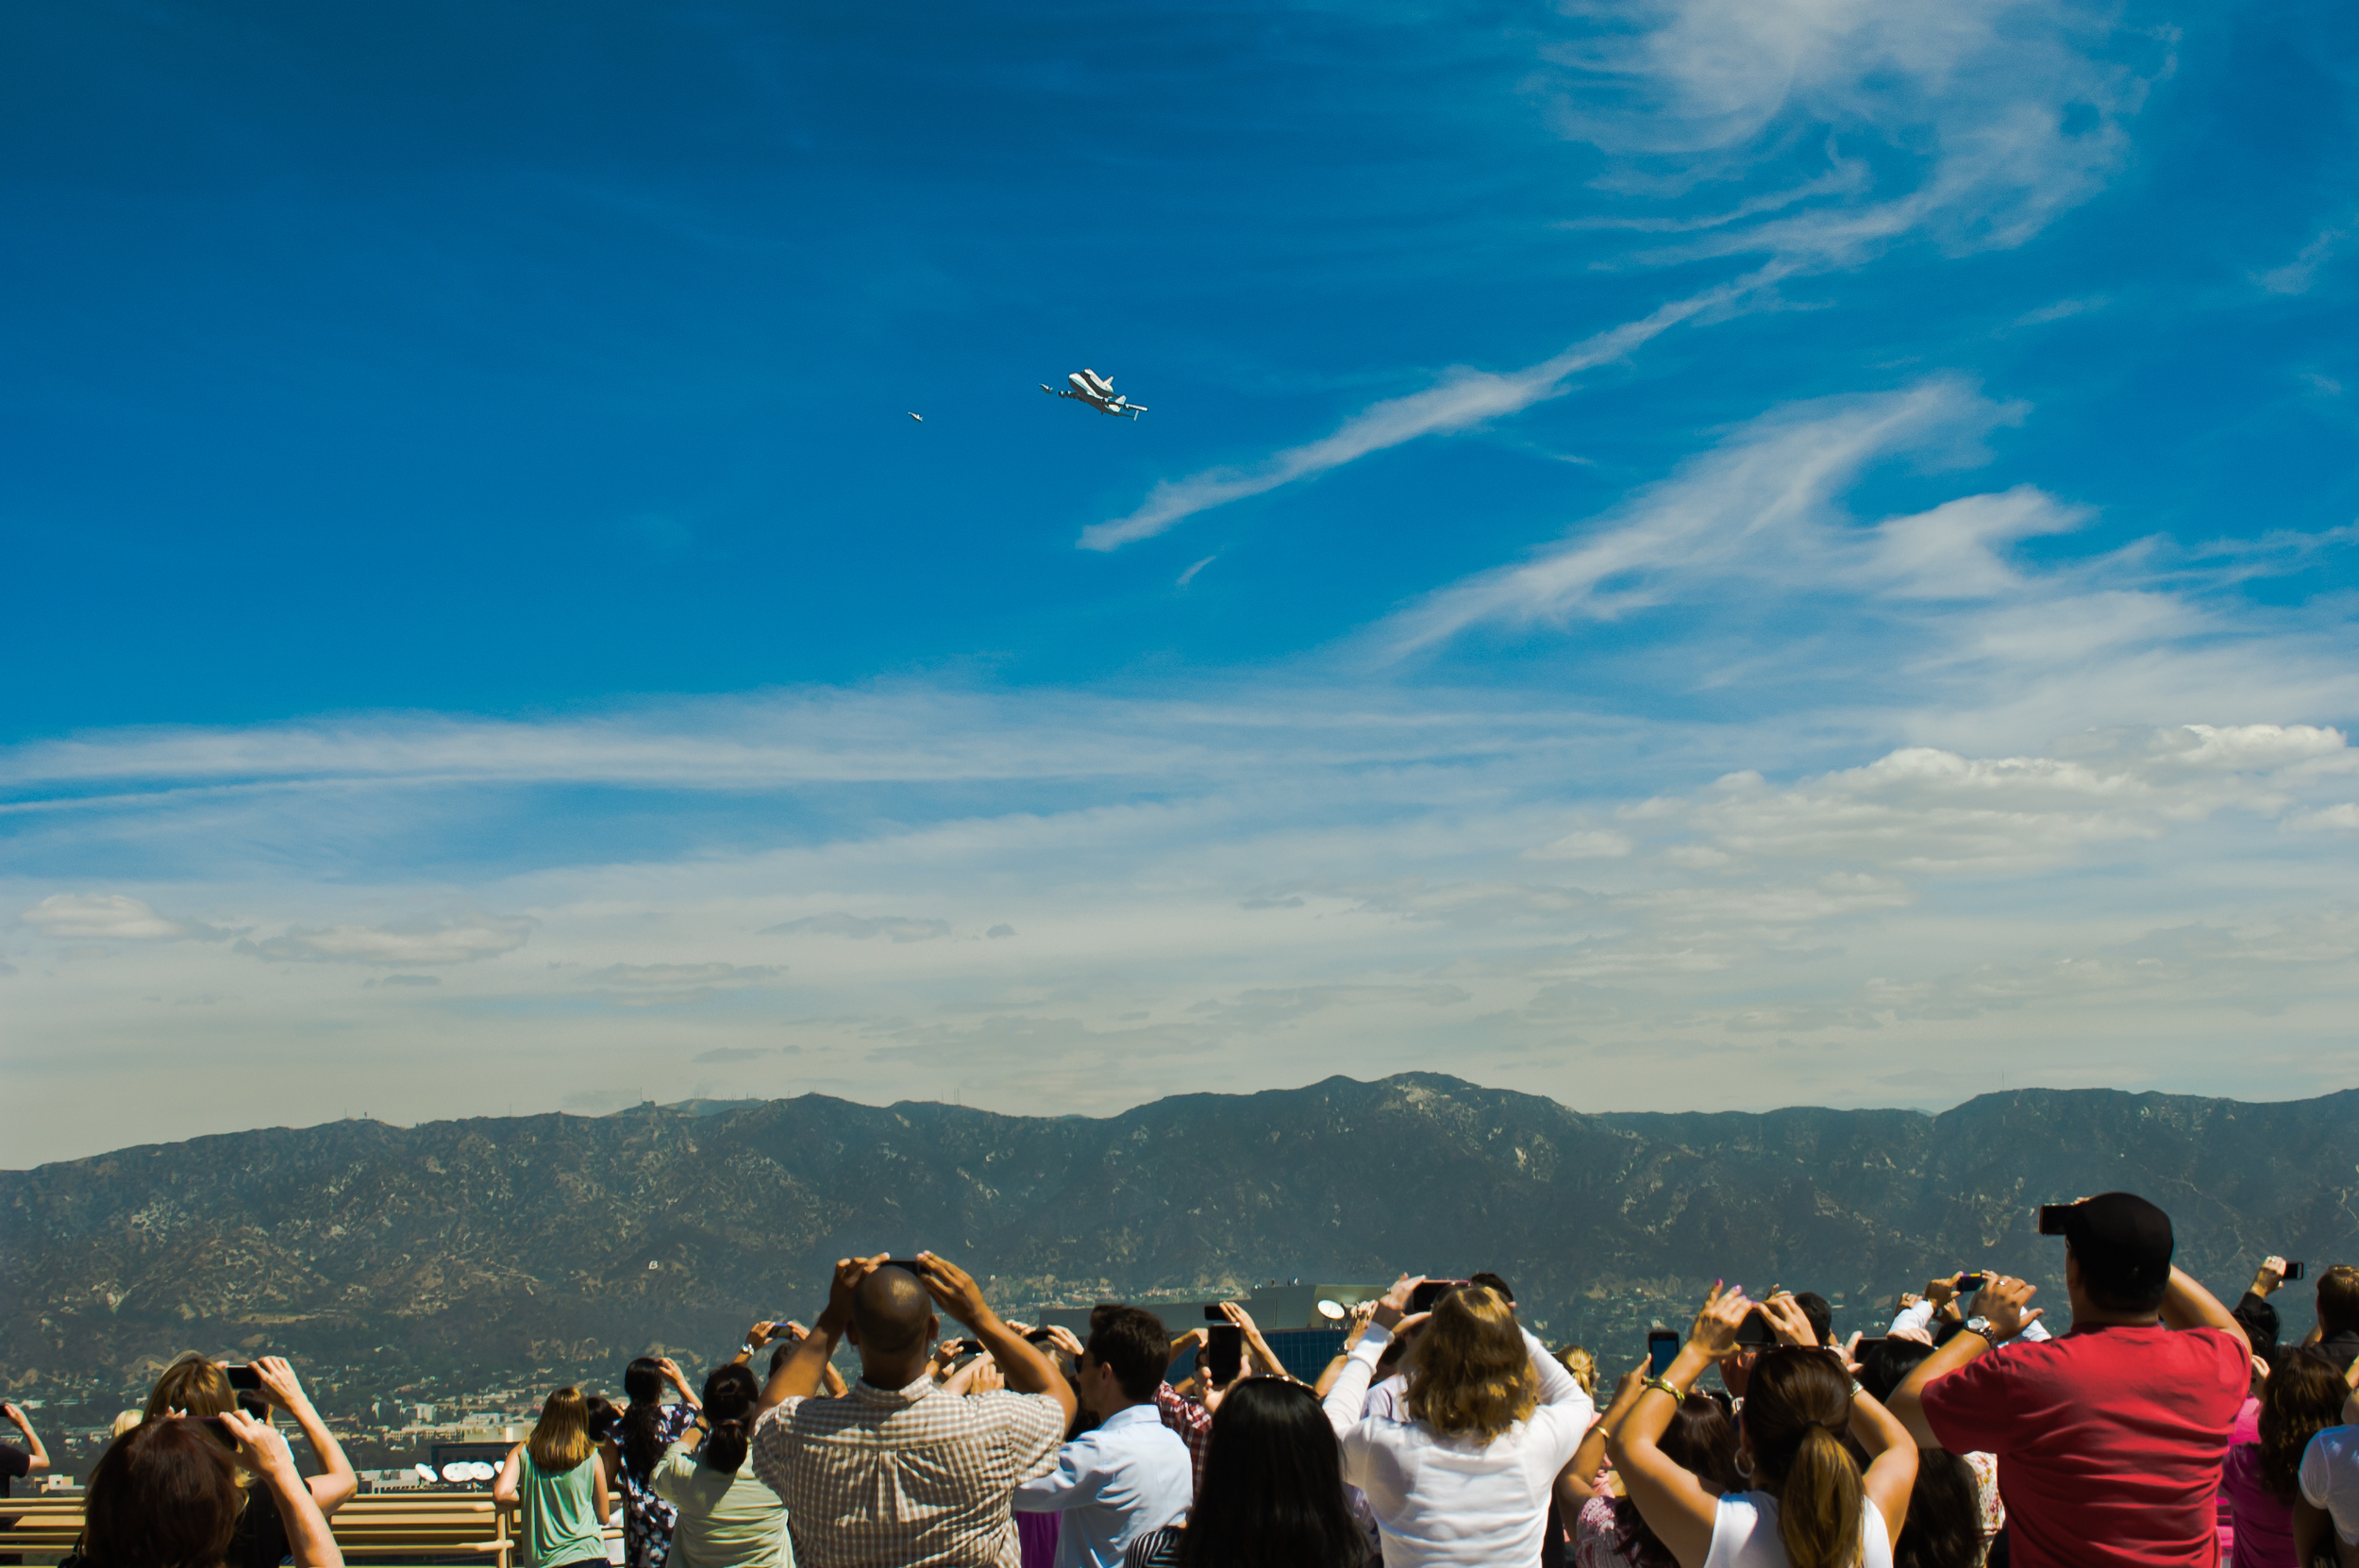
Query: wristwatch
x,y
745,1349
1981,1326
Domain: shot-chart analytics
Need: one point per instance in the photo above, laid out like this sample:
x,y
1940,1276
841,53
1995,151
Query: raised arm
x,y
758,1337
1271,1365
1557,1385
1357,1318
335,1485
1021,1363
2188,1305
1891,1460
2007,1304
40,1461
678,1379
799,1375
1669,1498
265,1453
1348,1396
1573,1486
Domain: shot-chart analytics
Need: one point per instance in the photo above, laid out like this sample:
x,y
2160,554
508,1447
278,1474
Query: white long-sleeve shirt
x,y
1920,1319
1455,1500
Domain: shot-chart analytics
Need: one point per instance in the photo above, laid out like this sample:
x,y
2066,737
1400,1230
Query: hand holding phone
x,y
1663,1348
1224,1354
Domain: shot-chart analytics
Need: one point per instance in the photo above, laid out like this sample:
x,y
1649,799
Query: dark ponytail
x,y
643,1424
730,1396
1796,1406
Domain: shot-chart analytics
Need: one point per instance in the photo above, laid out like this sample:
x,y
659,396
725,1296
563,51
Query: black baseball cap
x,y
2123,1240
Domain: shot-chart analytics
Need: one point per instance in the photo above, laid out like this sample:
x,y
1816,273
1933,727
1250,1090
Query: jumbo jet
x,y
1098,392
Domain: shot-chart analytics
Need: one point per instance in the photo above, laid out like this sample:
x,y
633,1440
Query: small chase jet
x,y
1087,386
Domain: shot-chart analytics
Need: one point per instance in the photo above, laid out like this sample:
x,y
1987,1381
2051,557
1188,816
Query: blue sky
x,y
1690,553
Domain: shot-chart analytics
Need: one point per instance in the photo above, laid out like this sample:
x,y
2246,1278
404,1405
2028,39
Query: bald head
x,y
892,1312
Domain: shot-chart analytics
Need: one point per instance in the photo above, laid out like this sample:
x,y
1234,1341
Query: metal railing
x,y
384,1531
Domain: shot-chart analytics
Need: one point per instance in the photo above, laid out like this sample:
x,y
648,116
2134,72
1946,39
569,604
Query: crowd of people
x,y
2159,1427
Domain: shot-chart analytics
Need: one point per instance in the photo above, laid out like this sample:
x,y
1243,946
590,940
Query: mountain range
x,y
529,1244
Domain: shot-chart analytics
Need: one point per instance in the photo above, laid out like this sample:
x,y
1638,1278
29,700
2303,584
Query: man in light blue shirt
x,y
1130,1475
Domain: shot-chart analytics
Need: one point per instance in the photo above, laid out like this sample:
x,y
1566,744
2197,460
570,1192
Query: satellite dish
x,y
481,1471
455,1471
424,1471
1332,1310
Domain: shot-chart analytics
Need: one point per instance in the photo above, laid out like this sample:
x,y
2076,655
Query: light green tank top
x,y
560,1513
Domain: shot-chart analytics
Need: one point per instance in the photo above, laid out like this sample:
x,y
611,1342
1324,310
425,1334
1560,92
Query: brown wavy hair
x,y
162,1496
2301,1398
1797,1404
1469,1373
560,1439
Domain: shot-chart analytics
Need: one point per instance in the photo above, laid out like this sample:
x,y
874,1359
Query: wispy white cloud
x,y
1590,843
461,940
861,928
114,916
1461,400
2297,275
1764,505
1980,119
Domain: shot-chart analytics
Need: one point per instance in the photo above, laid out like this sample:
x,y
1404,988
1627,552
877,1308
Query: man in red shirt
x,y
2109,1439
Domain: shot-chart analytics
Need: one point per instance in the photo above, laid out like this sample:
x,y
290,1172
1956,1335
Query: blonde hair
x,y
192,1384
1469,1374
125,1419
1582,1365
560,1439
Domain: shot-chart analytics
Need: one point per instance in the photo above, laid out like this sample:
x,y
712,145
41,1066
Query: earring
x,y
1745,1464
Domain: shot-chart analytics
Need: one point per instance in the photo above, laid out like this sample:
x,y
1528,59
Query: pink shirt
x,y
2263,1526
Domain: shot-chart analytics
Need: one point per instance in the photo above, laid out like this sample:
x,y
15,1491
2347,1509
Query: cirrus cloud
x,y
111,915
463,939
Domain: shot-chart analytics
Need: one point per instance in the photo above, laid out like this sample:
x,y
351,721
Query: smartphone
x,y
2293,1268
1860,1352
1213,1314
218,1429
243,1376
1037,1336
2051,1217
1224,1354
1425,1296
909,1263
1969,1283
1754,1333
970,1347
1662,1346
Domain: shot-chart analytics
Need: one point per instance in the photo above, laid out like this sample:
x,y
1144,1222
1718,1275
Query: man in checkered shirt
x,y
896,1473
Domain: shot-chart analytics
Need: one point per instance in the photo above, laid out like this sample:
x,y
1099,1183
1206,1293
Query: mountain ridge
x,y
525,1243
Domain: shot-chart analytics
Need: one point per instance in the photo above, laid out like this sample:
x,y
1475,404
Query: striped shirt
x,y
909,1477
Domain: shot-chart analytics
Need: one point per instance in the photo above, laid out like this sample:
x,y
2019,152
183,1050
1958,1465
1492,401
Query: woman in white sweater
x,y
1462,1473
